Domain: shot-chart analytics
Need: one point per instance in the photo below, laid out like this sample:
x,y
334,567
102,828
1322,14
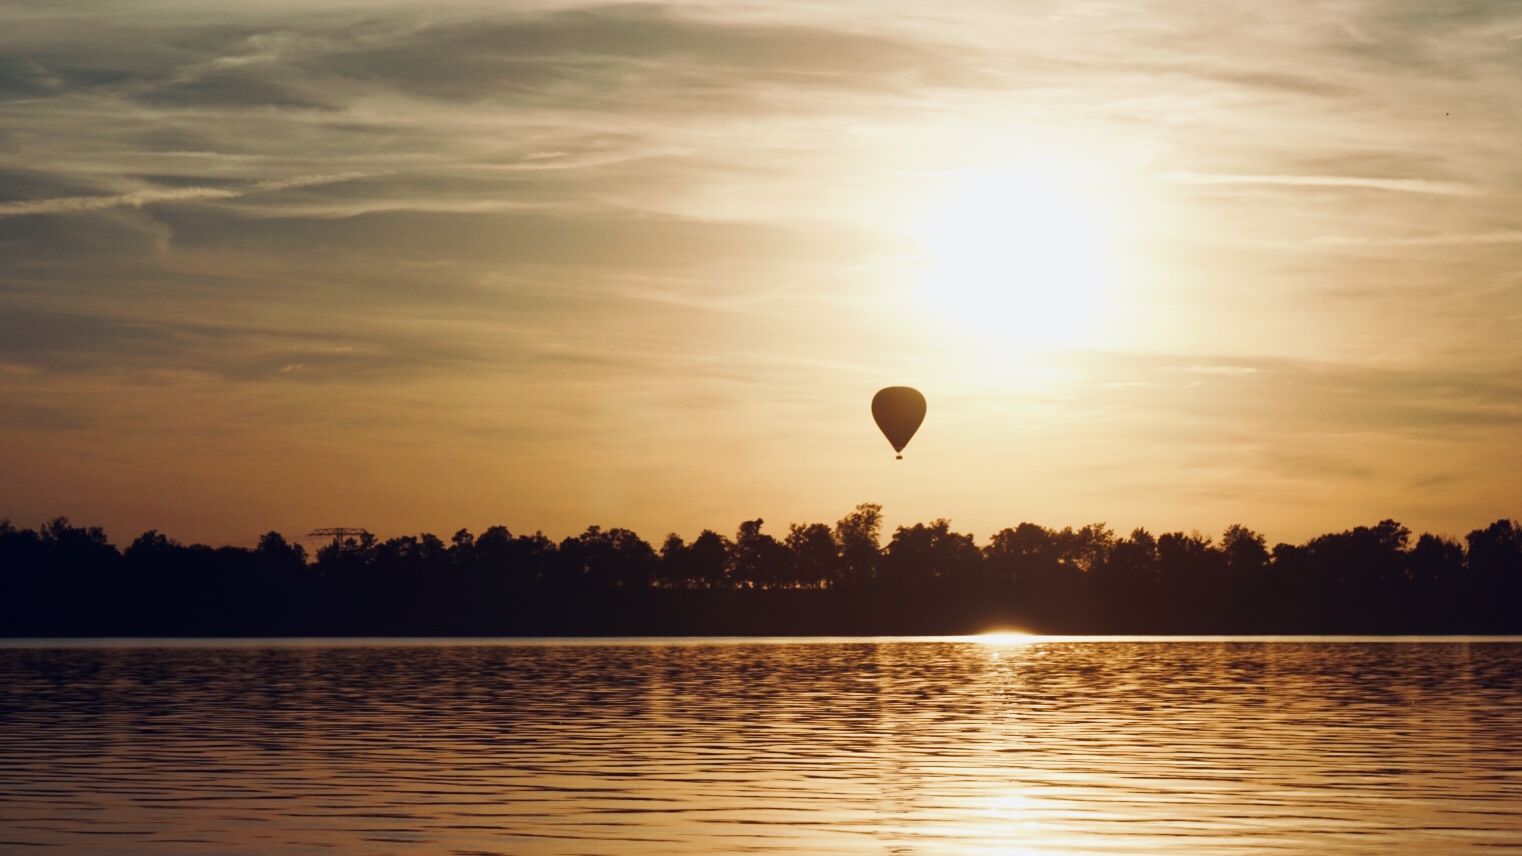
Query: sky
x,y
423,266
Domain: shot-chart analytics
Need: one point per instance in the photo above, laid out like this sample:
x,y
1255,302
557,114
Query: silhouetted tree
x,y
21,551
813,556
1495,572
277,554
346,558
1439,587
1295,597
21,561
757,560
1088,547
1126,583
1033,561
920,556
76,550
514,564
605,559
410,561
856,534
703,564
66,579
1191,580
1023,556
1246,551
462,553
708,559
1367,569
671,573
150,550
1247,564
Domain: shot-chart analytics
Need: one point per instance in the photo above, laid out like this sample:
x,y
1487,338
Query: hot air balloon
x,y
899,410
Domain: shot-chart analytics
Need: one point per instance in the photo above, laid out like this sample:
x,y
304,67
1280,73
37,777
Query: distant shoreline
x,y
22,643
63,581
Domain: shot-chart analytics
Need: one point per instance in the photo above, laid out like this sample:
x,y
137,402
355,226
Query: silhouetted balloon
x,y
899,410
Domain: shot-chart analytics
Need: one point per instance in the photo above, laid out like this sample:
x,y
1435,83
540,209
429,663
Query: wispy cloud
x,y
305,181
1399,185
1498,237
136,199
111,344
1281,401
141,198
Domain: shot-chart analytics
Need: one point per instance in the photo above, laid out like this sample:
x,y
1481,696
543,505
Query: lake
x,y
1015,746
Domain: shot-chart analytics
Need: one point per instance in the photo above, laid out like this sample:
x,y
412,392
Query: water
x,y
1045,746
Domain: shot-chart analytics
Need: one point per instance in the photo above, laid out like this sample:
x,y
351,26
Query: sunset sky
x,y
418,266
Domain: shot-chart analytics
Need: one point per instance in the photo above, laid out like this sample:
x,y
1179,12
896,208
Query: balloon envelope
x,y
899,410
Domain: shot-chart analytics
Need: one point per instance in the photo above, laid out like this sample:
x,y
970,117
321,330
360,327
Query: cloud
x,y
643,55
274,184
611,238
603,58
20,185
1278,399
136,199
1397,185
226,89
1417,39
1497,237
76,342
140,198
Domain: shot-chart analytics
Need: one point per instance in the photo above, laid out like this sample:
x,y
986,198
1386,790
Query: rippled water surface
x,y
885,746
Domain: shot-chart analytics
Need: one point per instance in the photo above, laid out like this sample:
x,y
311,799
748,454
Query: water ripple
x,y
884,746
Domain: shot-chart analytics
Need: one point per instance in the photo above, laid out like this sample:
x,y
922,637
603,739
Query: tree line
x,y
60,579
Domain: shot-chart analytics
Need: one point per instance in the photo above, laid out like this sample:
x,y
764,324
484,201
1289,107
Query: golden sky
x,y
418,266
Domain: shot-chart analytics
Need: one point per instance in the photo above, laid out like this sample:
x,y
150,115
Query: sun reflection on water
x,y
1002,744
1007,637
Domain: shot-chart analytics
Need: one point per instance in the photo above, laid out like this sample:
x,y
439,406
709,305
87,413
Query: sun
x,y
1019,257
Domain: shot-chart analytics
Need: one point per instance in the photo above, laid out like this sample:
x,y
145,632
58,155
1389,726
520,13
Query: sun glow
x,y
1019,257
1005,637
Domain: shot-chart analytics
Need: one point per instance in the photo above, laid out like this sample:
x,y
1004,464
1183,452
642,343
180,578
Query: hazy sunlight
x,y
1018,256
